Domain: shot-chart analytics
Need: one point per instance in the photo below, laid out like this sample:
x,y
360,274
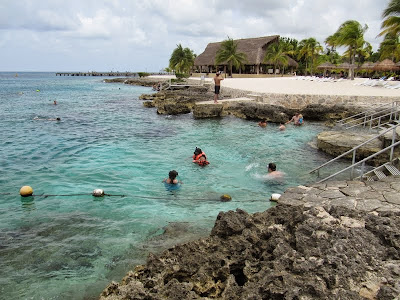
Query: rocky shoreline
x,y
276,108
315,244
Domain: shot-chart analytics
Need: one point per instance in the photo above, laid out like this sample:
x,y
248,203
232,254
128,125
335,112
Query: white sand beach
x,y
297,85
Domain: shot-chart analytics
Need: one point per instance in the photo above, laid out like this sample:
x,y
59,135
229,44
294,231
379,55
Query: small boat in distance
x,y
16,74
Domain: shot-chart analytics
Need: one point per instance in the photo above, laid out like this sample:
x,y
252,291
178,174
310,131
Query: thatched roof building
x,y
254,48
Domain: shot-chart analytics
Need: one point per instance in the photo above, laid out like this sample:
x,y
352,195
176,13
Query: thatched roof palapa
x,y
367,65
327,65
254,48
386,64
346,66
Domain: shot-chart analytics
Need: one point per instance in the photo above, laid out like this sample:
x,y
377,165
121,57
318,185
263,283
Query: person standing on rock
x,y
217,81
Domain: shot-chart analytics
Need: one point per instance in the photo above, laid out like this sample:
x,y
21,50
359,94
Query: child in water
x,y
172,178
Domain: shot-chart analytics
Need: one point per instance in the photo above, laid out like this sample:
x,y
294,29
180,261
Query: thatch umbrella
x,y
346,66
386,65
398,64
368,65
325,66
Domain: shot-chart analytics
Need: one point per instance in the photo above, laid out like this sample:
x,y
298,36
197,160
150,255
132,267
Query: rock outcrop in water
x,y
286,252
337,142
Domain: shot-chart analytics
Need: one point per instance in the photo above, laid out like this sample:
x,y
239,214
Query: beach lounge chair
x,y
363,83
396,86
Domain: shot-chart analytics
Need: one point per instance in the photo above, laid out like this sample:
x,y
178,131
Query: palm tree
x,y
351,34
390,47
276,55
228,53
182,59
309,49
391,16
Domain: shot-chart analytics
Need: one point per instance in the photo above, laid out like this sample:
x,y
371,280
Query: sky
x,y
131,35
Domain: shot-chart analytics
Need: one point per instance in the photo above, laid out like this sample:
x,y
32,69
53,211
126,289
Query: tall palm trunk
x,y
352,62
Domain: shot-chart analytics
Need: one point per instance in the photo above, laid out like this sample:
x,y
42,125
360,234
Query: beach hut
x,y
386,65
326,66
253,48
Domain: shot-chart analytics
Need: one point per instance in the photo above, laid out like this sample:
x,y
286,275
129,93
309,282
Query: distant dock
x,y
110,74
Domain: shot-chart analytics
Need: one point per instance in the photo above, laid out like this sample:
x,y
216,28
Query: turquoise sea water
x,y
71,247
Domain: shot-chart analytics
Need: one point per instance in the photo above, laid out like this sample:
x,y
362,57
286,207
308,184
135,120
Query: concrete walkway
x,y
368,196
222,101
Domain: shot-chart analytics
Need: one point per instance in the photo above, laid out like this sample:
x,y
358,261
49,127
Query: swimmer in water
x,y
172,178
262,123
272,172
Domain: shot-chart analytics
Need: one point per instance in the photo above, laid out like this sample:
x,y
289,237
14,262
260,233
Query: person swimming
x,y
199,157
273,173
172,178
262,123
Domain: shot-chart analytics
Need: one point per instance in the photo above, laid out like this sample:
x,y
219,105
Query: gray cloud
x,y
100,34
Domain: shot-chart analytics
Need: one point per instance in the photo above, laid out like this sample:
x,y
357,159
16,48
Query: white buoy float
x,y
26,191
275,197
98,193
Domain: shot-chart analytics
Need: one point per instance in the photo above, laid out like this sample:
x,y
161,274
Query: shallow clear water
x,y
59,247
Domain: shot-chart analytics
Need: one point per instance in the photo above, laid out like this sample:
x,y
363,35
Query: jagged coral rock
x,y
286,252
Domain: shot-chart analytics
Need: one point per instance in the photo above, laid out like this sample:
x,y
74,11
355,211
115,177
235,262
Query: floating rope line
x,y
67,195
27,191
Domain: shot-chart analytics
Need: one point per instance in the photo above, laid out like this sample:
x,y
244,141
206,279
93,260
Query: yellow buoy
x,y
225,198
26,191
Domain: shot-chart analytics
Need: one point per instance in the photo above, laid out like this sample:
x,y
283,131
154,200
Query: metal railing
x,y
362,163
354,150
389,112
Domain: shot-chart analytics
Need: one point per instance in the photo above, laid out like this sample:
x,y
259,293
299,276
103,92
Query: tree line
x,y
309,53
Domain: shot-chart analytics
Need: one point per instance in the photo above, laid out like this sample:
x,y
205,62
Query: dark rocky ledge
x,y
313,245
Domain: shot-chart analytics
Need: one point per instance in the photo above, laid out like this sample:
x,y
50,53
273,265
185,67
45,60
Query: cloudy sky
x,y
132,35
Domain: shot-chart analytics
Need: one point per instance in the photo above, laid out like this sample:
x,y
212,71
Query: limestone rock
x,y
286,252
148,104
338,142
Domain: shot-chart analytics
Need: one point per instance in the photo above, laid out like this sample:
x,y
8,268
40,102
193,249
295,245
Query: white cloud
x,y
99,34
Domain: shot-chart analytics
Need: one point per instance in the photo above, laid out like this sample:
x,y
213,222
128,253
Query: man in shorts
x,y
217,81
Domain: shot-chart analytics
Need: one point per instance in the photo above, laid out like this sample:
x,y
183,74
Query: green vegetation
x,y
276,55
143,74
229,54
351,35
309,49
182,60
